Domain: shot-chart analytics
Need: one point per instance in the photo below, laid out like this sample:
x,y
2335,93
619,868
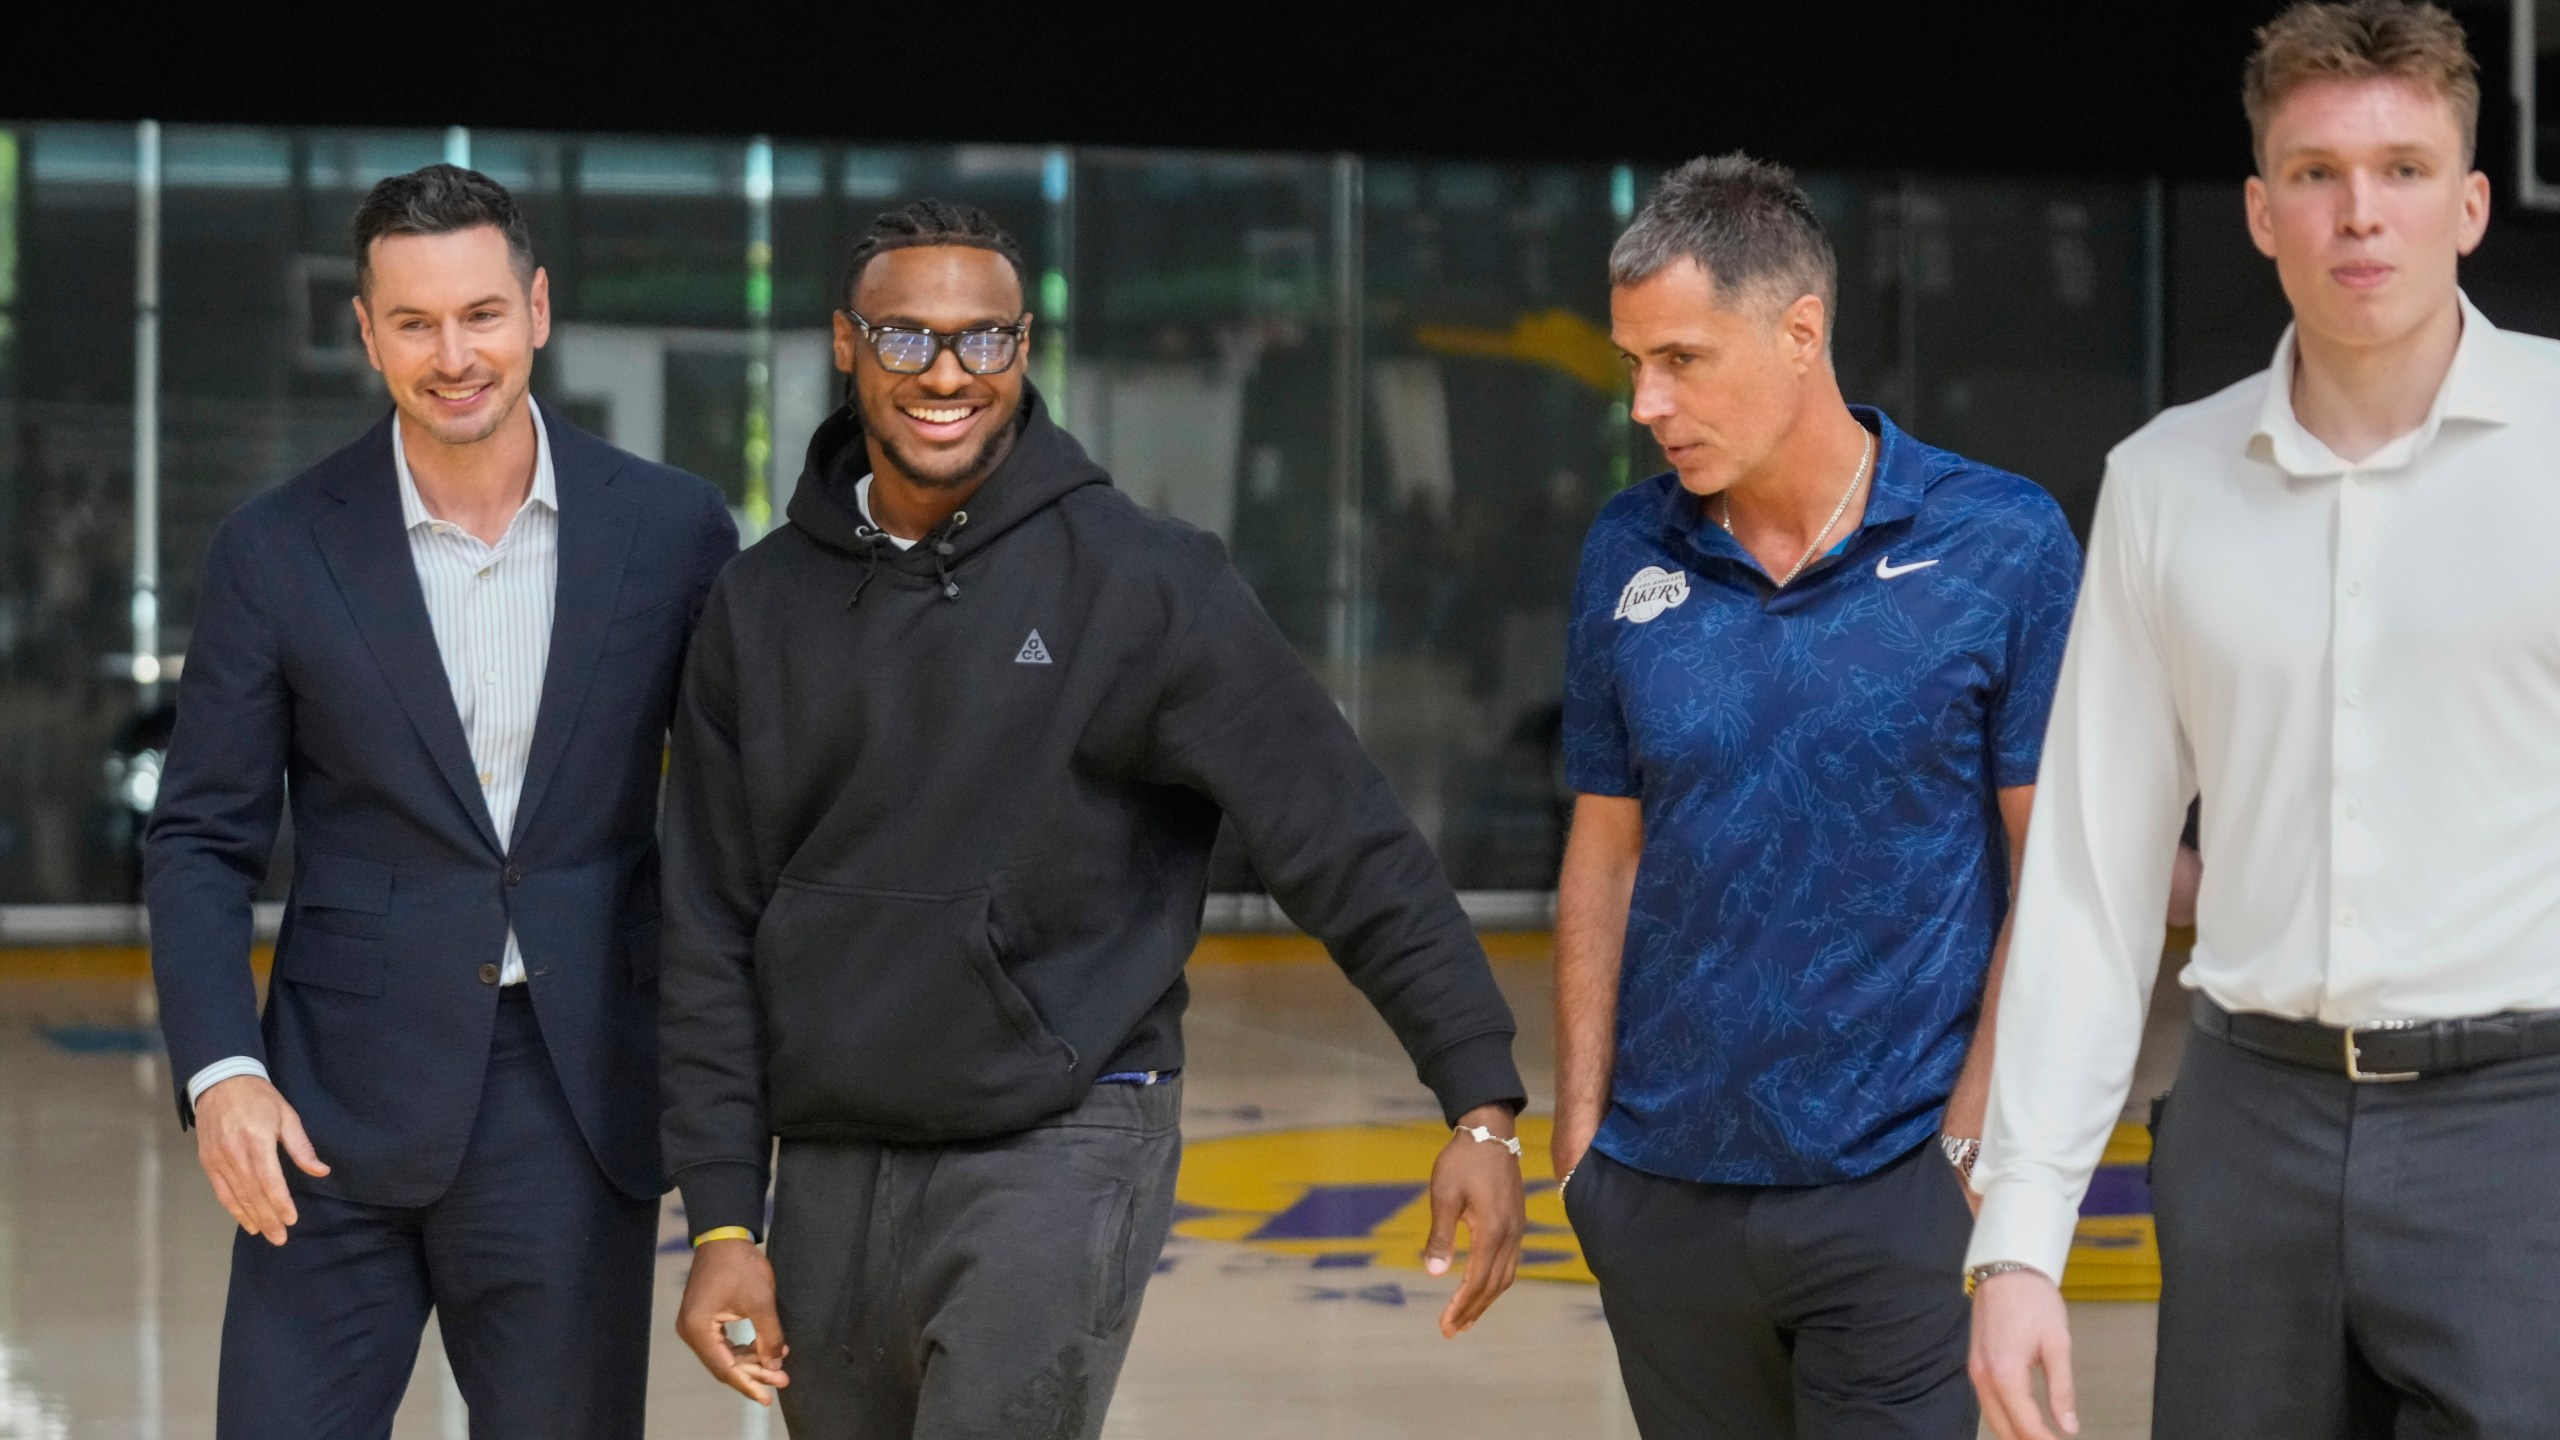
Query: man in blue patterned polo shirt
x,y
1810,669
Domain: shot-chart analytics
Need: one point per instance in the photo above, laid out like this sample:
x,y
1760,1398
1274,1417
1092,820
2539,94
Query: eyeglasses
x,y
911,350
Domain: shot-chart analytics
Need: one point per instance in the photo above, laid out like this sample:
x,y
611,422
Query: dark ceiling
x,y
2075,87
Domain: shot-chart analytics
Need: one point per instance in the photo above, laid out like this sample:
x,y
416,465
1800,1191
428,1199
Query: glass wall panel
x,y
66,488
1386,384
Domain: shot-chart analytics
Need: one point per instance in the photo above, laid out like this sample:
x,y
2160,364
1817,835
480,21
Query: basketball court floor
x,y
1291,1302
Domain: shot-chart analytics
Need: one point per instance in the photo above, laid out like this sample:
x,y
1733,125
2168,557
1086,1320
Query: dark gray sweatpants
x,y
1822,1312
2357,1261
976,1290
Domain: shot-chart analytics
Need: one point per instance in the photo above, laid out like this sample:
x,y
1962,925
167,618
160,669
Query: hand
x,y
2020,1326
239,1125
1476,1182
732,1280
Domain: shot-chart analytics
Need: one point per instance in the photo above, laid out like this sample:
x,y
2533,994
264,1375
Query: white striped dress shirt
x,y
491,607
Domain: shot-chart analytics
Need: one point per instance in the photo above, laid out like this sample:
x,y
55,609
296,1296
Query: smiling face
x,y
1720,381
944,428
2366,202
452,326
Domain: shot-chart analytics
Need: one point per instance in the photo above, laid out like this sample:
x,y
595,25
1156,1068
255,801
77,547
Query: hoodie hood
x,y
1046,465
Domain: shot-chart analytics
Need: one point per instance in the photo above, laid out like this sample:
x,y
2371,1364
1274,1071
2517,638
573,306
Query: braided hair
x,y
932,222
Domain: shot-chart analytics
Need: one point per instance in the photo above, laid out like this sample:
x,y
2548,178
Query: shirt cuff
x,y
719,1193
219,1071
1475,1072
2024,1222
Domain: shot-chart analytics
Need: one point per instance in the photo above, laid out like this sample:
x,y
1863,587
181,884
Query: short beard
x,y
498,417
972,470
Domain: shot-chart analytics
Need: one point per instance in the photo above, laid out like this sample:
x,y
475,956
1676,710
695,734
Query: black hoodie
x,y
939,819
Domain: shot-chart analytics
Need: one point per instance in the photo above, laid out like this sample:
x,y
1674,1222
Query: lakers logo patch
x,y
1652,591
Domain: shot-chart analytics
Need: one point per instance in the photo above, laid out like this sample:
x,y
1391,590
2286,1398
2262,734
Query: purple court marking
x,y
2117,1190
1339,1212
1358,1261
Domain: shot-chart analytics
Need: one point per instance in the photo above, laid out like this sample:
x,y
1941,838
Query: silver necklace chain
x,y
1865,454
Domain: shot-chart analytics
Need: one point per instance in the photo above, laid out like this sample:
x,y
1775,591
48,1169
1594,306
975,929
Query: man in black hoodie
x,y
950,756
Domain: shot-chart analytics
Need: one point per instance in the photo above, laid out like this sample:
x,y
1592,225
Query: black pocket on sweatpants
x,y
888,1015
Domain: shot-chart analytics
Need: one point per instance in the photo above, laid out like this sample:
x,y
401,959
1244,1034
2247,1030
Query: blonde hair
x,y
2363,40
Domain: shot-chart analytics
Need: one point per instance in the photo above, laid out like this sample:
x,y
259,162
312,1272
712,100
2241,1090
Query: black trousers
x,y
980,1290
1824,1312
539,1272
2357,1260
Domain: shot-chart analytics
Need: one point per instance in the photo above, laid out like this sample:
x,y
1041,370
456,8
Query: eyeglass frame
x,y
942,340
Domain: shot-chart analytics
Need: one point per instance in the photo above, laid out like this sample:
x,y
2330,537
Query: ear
x,y
364,330
845,340
2475,211
2262,224
538,296
1804,330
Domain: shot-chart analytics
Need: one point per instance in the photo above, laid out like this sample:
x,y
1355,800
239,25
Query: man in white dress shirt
x,y
2325,597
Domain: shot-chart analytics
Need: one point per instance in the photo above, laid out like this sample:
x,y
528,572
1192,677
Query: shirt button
x,y
2354,697
2346,919
488,974
484,572
2354,811
2354,587
489,677
487,778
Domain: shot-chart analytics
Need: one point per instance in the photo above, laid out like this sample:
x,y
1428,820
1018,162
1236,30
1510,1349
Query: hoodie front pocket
x,y
888,1013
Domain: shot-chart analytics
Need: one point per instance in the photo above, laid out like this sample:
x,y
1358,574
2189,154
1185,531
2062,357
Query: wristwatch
x,y
1961,1151
1974,1275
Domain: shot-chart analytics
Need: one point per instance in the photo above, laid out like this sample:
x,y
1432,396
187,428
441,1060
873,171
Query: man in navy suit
x,y
452,647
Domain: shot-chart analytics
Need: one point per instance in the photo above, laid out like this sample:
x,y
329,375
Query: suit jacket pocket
x,y
630,632
353,964
889,1014
343,895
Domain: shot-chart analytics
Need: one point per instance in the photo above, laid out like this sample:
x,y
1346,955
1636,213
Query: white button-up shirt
x,y
2358,664
491,607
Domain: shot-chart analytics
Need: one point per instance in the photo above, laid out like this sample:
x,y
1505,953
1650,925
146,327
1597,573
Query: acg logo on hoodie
x,y
1652,591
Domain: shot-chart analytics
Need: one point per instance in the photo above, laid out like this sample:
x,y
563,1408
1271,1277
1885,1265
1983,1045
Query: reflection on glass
x,y
1386,384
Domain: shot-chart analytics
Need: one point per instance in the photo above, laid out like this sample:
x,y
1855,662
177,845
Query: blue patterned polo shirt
x,y
1824,869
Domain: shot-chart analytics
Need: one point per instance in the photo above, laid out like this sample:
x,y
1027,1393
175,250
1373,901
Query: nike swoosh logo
x,y
1887,570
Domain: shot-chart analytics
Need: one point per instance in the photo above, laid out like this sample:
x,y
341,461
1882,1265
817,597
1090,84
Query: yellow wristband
x,y
724,1232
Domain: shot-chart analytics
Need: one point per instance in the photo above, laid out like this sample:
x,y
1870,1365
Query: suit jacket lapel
x,y
595,539
367,549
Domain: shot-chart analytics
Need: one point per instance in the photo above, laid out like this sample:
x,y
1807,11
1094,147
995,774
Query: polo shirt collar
x,y
413,506
2484,386
1900,480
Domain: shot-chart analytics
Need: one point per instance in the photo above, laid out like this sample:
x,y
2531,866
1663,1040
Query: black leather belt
x,y
2390,1049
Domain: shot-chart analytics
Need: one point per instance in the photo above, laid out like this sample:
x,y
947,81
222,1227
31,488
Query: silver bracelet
x,y
1961,1151
1483,1135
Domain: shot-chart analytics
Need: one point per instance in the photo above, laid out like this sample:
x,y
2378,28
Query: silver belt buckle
x,y
2355,1057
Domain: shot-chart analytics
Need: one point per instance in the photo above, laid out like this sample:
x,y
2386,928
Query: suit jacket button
x,y
488,974
514,876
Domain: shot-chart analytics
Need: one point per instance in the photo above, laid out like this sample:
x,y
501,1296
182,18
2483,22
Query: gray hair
x,y
1746,222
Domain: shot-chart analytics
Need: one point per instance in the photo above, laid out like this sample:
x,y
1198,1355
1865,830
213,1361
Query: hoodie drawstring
x,y
937,544
940,541
872,544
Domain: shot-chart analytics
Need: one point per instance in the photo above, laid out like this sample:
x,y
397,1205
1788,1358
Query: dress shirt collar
x,y
413,506
2483,386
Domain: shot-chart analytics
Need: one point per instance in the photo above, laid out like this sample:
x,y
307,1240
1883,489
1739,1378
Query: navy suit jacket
x,y
313,679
